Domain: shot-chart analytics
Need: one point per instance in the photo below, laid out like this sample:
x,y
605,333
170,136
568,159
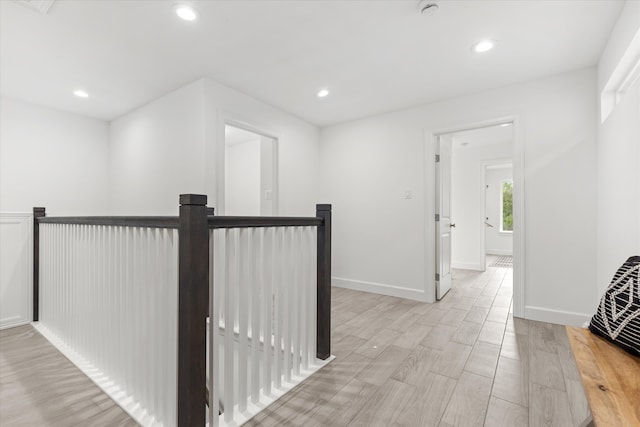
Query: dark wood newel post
x,y
193,307
323,331
37,213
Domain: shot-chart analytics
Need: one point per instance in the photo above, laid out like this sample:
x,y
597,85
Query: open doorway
x,y
498,212
474,200
249,173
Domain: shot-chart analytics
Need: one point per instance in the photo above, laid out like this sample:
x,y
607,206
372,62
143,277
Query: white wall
x,y
496,242
467,199
618,227
47,158
53,159
379,236
242,178
170,146
157,152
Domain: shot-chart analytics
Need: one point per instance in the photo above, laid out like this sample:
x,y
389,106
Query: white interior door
x,y
443,216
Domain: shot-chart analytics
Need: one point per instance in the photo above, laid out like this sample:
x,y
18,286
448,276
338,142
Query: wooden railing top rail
x,y
122,221
172,221
262,221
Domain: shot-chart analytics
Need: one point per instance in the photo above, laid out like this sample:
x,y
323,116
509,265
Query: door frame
x,y
483,237
430,140
224,119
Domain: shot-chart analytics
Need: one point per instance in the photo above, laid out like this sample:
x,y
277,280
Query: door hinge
x,y
437,217
437,277
437,158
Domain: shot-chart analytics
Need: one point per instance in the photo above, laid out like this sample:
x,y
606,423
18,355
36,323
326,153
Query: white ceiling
x,y
374,56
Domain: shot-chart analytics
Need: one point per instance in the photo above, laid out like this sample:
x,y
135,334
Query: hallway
x,y
463,361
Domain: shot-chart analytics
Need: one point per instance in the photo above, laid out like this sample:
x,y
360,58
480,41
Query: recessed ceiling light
x,y
80,93
186,12
322,93
484,46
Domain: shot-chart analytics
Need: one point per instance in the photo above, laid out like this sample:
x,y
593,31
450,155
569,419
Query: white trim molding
x,y
379,288
558,317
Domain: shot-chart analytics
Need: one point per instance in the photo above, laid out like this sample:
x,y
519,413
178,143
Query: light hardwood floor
x,y
464,361
41,387
461,362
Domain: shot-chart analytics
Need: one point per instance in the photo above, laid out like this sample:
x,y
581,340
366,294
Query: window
x,y
623,77
506,206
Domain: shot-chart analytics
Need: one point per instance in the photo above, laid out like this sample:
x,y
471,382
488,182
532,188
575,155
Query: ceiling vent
x,y
428,7
41,6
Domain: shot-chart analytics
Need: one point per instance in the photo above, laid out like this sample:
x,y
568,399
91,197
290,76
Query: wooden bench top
x,y
611,379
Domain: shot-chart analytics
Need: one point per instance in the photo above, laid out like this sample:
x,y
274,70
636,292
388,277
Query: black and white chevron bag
x,y
618,316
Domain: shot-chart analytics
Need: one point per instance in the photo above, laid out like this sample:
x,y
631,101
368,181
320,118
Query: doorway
x,y
498,211
475,149
249,173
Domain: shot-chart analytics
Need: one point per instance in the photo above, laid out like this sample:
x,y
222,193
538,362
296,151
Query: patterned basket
x,y
618,316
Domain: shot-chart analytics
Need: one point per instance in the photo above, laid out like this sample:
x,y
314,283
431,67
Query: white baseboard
x,y
467,266
13,322
379,288
499,252
555,316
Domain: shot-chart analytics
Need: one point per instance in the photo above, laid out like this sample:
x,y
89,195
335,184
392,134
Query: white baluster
x,y
287,308
229,322
304,295
313,279
296,294
214,355
256,297
267,271
131,277
146,310
278,310
172,327
242,294
155,301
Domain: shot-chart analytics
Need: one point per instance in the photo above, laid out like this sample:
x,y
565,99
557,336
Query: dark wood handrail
x,y
122,221
262,221
172,221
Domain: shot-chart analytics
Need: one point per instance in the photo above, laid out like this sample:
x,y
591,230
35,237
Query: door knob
x,y
452,225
